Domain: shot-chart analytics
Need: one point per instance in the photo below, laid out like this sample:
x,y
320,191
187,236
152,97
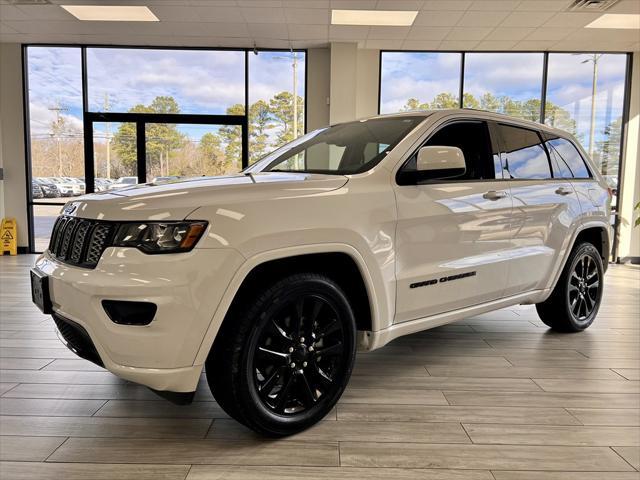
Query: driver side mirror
x,y
440,162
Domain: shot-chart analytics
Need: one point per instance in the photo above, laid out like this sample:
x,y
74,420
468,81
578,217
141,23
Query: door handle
x,y
494,195
564,191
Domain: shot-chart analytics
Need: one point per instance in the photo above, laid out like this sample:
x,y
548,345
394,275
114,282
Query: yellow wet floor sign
x,y
9,236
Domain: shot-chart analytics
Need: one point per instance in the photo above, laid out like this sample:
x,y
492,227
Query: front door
x,y
453,234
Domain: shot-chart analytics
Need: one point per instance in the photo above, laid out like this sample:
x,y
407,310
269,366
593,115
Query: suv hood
x,y
175,200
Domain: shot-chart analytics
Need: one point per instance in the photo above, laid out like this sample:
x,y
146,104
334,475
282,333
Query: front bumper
x,y
186,287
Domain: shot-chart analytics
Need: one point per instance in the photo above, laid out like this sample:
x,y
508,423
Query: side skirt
x,y
368,340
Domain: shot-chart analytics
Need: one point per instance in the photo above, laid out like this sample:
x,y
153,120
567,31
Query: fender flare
x,y
583,226
245,269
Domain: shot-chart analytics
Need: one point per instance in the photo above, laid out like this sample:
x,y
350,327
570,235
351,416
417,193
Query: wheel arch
x,y
341,262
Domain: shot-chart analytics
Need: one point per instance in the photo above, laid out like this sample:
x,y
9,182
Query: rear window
x,y
525,155
567,159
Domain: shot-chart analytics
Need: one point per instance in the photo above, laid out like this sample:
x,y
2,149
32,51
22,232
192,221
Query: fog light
x,y
129,313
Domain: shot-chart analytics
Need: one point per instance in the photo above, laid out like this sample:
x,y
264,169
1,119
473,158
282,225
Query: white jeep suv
x,y
346,238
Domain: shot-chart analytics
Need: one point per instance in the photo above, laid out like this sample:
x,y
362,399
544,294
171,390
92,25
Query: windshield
x,y
347,148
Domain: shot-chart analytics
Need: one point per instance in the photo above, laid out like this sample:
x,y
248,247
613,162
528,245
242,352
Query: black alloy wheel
x,y
299,355
584,288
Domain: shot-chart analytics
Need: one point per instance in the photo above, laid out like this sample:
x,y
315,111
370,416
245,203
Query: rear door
x,y
545,208
452,234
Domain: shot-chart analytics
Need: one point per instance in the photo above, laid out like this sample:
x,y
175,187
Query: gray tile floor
x,y
494,397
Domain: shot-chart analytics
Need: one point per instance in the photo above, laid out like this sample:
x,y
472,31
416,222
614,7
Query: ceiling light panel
x,y
616,20
111,13
391,18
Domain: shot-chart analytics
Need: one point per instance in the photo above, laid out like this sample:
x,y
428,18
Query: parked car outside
x,y
36,191
49,188
350,236
65,187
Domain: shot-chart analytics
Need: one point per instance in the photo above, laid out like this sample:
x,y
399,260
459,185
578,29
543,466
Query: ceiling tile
x,y
481,19
307,16
471,33
549,33
306,4
46,12
348,32
382,33
268,30
9,12
444,5
260,3
438,19
625,6
353,4
175,13
273,43
317,43
496,5
263,15
495,45
388,44
458,45
428,33
501,33
302,32
534,45
526,19
420,45
218,14
5,28
543,5
399,4
571,19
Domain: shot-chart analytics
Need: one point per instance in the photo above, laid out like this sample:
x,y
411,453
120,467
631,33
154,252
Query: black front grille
x,y
77,339
79,241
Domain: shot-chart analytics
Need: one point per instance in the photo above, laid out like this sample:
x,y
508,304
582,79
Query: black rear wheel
x,y
574,302
281,364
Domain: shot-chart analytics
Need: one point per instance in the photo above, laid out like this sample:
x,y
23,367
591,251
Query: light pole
x,y
594,82
294,66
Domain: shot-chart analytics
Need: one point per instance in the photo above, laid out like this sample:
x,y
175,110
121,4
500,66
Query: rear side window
x,y
525,156
568,160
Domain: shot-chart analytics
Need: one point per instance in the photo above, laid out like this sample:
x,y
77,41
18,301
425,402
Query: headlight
x,y
160,237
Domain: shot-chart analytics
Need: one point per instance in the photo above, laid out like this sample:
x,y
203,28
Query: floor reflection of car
x,y
123,182
36,191
49,189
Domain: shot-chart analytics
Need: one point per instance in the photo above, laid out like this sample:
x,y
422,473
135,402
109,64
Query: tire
x,y
283,358
575,300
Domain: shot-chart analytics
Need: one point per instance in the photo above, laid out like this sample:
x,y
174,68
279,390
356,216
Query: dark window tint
x,y
525,156
568,159
474,141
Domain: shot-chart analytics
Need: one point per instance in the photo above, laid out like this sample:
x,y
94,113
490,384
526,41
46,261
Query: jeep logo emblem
x,y
69,208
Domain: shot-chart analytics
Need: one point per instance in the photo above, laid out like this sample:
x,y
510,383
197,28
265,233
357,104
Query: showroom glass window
x,y
275,115
56,139
419,81
509,83
175,82
585,96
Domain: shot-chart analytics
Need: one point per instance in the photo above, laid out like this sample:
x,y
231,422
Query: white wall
x,y
354,82
13,197
629,243
318,80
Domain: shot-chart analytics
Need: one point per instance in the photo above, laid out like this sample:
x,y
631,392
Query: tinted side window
x,y
474,141
525,155
568,158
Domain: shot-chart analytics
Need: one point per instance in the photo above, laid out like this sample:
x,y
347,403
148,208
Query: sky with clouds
x,y
423,75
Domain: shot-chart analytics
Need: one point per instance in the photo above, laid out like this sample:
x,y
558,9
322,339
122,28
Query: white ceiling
x,y
440,25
